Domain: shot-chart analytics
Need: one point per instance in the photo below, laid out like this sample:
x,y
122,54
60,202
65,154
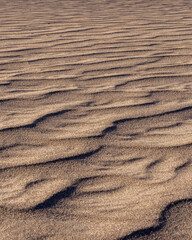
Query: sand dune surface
x,y
95,120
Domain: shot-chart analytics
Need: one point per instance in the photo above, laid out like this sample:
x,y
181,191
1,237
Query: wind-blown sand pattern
x,y
95,120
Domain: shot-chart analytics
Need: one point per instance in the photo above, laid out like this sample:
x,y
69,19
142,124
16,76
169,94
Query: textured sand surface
x,y
95,120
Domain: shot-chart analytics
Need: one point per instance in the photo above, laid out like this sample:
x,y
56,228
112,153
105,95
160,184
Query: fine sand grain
x,y
95,120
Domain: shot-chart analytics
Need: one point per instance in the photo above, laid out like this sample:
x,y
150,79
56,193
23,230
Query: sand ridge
x,y
95,120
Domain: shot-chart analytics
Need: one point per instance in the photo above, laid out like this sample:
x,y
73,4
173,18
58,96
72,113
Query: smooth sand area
x,y
95,120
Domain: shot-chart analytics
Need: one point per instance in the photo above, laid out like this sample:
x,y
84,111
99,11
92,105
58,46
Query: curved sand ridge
x,y
95,120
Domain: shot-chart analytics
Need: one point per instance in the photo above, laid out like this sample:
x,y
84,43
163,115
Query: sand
x,y
95,120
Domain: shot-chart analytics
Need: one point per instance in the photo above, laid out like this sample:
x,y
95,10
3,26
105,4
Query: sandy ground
x,y
95,120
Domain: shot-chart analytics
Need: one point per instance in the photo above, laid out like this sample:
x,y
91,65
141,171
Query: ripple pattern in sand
x,y
95,120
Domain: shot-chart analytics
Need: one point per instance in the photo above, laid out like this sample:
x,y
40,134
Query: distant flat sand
x,y
95,120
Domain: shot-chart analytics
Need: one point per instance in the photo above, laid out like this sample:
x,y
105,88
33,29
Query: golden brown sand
x,y
95,120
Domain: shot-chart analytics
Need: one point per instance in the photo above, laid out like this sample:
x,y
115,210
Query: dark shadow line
x,y
162,222
53,200
38,120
